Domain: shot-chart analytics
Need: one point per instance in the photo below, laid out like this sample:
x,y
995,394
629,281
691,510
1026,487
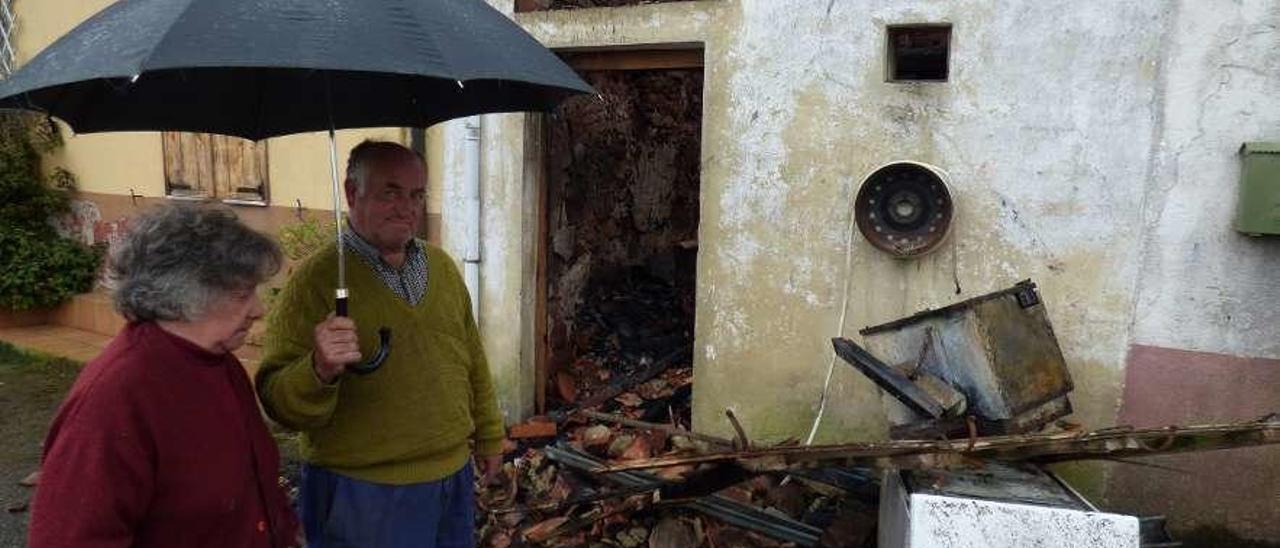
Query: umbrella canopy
x,y
264,68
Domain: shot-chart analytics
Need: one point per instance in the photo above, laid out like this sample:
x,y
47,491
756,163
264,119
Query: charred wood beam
x,y
576,500
627,383
586,519
672,430
716,506
706,481
1110,443
861,484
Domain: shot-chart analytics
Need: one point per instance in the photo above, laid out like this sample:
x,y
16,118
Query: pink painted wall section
x,y
1239,488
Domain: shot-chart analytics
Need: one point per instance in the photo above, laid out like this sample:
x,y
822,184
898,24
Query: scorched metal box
x,y
998,349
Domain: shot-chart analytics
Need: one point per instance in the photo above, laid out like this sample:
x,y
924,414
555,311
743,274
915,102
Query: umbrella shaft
x,y
337,213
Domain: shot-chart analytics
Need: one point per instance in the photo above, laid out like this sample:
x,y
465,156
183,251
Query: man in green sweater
x,y
387,454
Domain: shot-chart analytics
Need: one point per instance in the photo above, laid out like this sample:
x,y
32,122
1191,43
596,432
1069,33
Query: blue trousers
x,y
342,512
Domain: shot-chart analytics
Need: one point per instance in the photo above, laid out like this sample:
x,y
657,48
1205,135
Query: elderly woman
x,y
160,442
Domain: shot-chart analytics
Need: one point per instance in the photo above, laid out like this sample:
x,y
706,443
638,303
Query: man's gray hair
x,y
363,153
177,259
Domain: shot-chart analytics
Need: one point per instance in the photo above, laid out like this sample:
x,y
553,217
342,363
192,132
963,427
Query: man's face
x,y
389,211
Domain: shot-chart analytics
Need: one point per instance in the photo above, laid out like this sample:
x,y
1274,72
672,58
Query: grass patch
x,y
31,387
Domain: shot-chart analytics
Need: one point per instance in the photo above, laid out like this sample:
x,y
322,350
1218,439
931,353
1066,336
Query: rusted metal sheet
x,y
1014,483
998,349
1108,443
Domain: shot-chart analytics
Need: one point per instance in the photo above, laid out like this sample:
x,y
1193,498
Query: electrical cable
x,y
844,310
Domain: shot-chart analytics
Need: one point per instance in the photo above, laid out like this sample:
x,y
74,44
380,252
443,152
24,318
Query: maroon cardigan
x,y
160,443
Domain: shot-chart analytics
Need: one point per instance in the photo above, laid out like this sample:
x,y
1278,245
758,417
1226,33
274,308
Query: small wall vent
x,y
918,53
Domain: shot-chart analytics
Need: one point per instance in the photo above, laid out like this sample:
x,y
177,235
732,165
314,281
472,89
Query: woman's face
x,y
229,318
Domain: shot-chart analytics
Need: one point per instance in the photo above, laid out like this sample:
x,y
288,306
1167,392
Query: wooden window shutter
x,y
205,166
239,169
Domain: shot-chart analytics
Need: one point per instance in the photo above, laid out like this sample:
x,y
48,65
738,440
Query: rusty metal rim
x,y
876,241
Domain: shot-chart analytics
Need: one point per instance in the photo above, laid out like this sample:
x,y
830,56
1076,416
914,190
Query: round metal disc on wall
x,y
905,209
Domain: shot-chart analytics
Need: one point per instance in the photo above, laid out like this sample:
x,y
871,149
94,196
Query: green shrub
x,y
299,240
42,270
38,268
27,197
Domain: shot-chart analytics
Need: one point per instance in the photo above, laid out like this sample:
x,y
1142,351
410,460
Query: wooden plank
x,y
224,173
662,59
240,170
198,154
537,134
239,164
171,146
186,169
261,170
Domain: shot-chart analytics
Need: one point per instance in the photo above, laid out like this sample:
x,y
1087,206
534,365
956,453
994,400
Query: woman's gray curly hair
x,y
177,259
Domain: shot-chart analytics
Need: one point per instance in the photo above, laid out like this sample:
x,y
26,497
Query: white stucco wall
x,y
1204,286
1044,139
504,244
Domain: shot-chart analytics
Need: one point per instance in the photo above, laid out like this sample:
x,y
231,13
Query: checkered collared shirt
x,y
409,281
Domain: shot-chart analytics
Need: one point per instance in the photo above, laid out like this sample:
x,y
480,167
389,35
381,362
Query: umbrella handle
x,y
384,339
379,357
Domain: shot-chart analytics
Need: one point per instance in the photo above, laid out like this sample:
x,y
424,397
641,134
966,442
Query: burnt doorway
x,y
618,243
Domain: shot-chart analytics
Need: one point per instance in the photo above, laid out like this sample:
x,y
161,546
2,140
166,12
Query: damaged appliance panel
x,y
998,349
1001,506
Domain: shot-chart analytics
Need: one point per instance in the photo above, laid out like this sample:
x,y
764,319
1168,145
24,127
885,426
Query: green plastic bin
x,y
1259,210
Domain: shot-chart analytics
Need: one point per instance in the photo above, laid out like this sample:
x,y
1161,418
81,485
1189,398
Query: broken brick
x,y
532,428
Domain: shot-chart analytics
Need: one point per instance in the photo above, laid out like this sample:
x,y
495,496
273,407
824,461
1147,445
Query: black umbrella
x,y
264,68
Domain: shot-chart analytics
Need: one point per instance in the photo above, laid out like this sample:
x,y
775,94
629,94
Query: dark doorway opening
x,y
620,223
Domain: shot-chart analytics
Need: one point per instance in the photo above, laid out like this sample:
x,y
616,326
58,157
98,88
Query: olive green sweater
x,y
409,421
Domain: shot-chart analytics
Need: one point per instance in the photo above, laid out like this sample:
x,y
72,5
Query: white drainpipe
x,y
472,246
